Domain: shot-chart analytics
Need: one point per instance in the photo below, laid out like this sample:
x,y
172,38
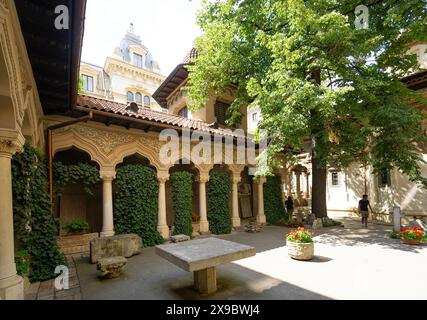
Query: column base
x,y
261,220
106,234
237,222
164,231
205,281
204,227
12,288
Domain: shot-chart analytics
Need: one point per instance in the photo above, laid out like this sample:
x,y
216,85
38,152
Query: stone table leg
x,y
205,281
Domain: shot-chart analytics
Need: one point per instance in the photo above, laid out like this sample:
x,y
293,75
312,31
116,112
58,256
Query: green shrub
x,y
76,226
34,225
273,203
219,193
22,261
182,198
136,203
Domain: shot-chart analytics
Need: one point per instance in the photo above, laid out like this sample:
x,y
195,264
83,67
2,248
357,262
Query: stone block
x,y
122,246
180,238
112,267
318,224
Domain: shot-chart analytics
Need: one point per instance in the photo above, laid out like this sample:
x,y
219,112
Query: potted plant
x,y
76,227
412,236
300,244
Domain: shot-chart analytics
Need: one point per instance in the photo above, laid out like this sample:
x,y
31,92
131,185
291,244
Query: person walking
x,y
289,203
364,207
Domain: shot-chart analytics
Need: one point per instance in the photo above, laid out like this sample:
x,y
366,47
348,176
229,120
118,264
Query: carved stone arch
x,y
68,139
129,149
200,167
10,53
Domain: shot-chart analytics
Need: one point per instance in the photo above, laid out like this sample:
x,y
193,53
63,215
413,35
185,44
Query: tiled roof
x,y
92,103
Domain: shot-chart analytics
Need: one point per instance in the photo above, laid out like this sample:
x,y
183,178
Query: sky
x,y
167,28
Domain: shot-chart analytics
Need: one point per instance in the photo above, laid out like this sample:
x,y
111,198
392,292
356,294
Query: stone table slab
x,y
205,253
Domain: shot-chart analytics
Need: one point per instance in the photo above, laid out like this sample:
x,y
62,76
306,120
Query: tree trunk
x,y
319,178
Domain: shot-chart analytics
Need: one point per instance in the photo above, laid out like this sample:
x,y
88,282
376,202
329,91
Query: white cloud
x,y
167,27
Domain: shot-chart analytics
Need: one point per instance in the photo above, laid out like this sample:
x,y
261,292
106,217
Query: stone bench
x,y
126,246
202,257
111,267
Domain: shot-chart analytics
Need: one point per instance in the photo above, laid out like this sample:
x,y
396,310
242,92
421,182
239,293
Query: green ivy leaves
x,y
136,203
33,223
81,172
182,196
219,192
273,204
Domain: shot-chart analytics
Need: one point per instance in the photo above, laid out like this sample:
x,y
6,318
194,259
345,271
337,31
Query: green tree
x,y
182,200
318,79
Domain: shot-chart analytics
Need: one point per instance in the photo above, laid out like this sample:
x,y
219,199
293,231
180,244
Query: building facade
x,y
130,74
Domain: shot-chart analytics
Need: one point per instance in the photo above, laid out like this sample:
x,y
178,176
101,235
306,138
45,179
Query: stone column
x,y
11,285
107,201
236,217
307,176
204,223
290,183
299,195
162,226
261,215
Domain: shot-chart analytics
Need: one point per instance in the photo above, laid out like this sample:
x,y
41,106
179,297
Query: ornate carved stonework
x,y
107,141
10,147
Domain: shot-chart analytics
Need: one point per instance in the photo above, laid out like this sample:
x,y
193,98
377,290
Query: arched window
x,y
147,100
138,98
183,112
130,96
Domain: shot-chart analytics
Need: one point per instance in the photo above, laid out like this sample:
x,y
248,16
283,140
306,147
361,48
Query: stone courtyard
x,y
350,263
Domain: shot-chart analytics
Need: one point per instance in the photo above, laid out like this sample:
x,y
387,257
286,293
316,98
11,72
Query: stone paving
x,y
350,263
46,290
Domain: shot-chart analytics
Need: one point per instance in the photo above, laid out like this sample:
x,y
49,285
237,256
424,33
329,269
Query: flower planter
x,y
300,251
412,242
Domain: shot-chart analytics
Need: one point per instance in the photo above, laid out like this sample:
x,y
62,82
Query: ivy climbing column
x,y
11,285
162,227
204,223
261,215
107,203
236,218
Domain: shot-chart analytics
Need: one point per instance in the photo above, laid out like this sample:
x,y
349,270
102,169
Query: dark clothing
x,y
289,204
363,205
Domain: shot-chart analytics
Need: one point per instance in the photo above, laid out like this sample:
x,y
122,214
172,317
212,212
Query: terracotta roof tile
x,y
92,103
193,54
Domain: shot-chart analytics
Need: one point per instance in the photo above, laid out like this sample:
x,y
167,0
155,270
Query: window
x,y
221,112
255,116
130,96
384,178
87,83
147,100
137,60
335,179
138,98
183,112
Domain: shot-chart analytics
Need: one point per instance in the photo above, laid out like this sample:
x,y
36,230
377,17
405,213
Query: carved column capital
x,y
261,180
163,176
11,142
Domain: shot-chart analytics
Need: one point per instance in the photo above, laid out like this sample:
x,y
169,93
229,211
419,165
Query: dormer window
x,y
183,112
87,83
138,98
147,101
221,112
130,96
137,60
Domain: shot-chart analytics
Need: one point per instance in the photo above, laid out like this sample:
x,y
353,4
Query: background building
x,y
130,74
